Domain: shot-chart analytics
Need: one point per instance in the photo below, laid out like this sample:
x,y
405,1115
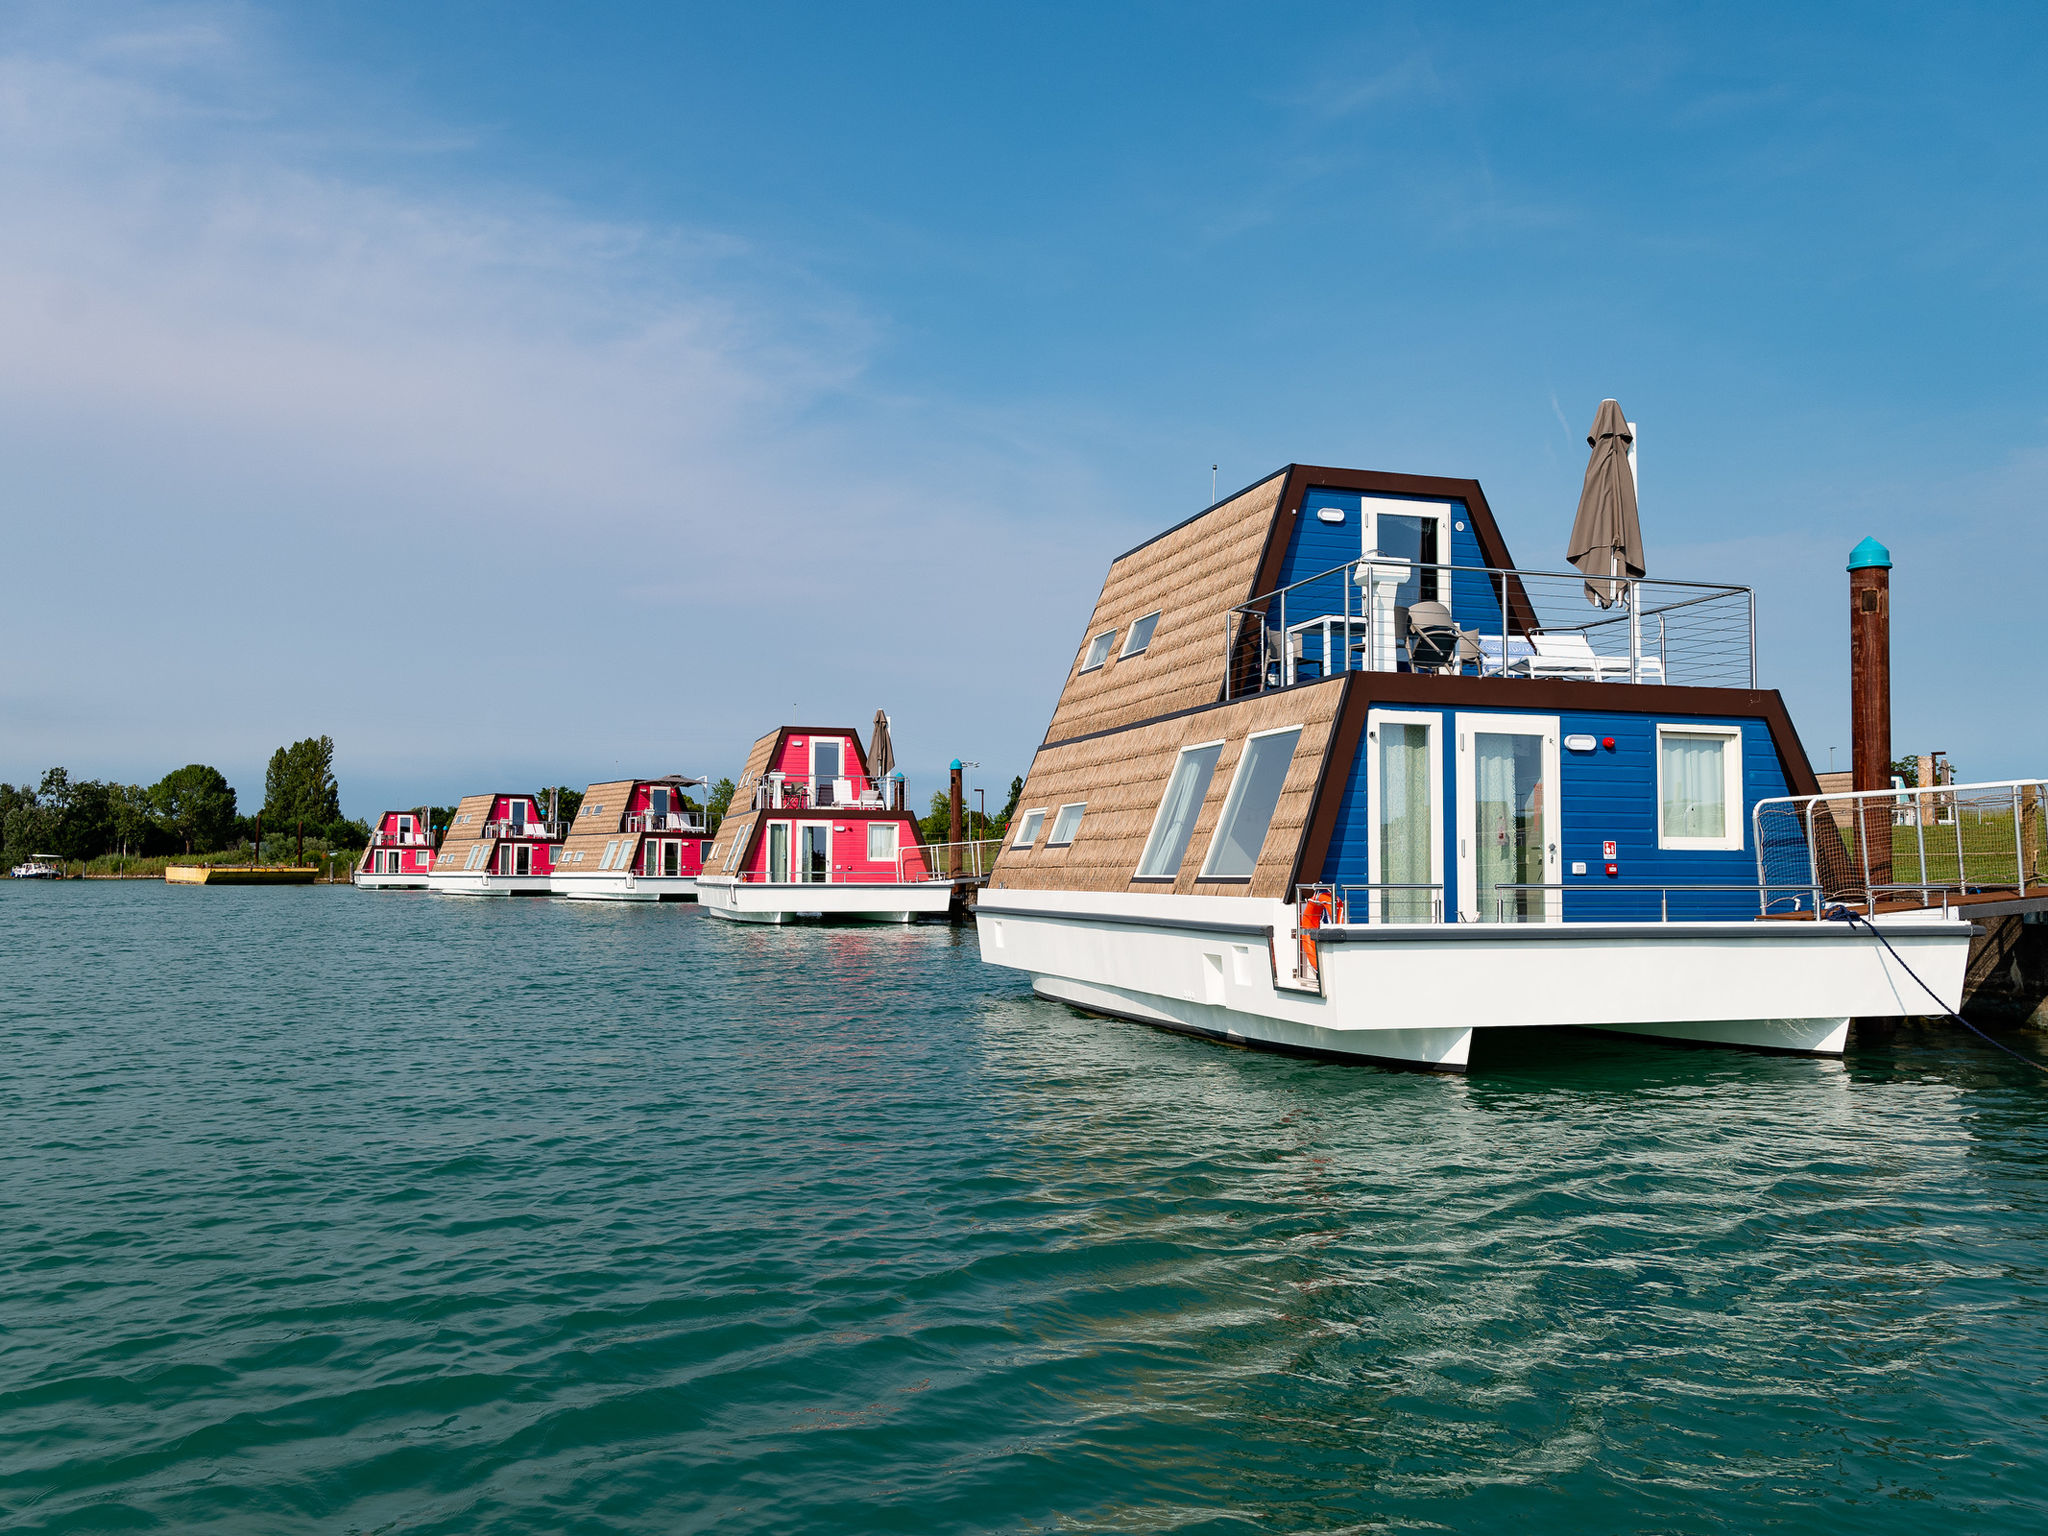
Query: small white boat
x,y
43,866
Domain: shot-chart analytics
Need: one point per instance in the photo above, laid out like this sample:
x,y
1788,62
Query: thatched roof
x,y
1122,776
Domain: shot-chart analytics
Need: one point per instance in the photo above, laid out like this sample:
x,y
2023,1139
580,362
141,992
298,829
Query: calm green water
x,y
329,1211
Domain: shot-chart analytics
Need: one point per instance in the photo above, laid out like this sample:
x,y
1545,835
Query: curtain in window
x,y
1185,792
1508,824
1695,785
1405,805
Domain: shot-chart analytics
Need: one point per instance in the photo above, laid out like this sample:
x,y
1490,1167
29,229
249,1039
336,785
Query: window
x,y
1699,786
1254,792
1066,824
610,849
1098,650
1139,637
1027,829
1178,808
881,842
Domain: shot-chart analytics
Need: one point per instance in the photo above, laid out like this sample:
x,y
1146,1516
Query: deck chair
x,y
1570,654
1434,641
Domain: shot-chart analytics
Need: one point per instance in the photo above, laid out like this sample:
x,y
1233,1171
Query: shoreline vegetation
x,y
106,831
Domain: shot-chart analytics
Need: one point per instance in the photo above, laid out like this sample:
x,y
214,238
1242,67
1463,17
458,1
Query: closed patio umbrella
x,y
1607,538
881,753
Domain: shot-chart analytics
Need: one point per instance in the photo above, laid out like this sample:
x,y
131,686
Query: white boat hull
x,y
415,881
622,885
751,901
463,882
1414,994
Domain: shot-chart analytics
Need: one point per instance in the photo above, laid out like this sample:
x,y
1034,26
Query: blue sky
x,y
525,393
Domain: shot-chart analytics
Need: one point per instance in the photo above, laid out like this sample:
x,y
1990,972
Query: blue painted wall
x,y
1316,546
1606,795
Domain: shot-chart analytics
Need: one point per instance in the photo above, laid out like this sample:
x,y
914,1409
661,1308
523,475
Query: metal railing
x,y
383,839
672,821
974,861
796,792
1514,624
1875,845
1765,900
509,828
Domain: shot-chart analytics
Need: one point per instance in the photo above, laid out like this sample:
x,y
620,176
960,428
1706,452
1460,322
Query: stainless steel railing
x,y
1515,624
1870,845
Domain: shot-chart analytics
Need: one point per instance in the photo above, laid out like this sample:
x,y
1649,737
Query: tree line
x,y
189,810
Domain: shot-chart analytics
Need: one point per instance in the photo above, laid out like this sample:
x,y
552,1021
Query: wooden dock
x,y
240,874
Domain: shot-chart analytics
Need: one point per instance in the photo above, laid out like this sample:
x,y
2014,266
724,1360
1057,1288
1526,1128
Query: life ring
x,y
1318,909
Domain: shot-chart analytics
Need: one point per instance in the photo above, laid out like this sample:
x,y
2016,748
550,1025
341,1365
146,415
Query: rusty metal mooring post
x,y
954,832
1870,702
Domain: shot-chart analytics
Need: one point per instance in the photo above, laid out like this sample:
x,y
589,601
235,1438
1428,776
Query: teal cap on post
x,y
955,764
1869,553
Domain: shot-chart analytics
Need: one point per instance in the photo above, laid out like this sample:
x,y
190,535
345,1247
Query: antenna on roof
x,y
1212,485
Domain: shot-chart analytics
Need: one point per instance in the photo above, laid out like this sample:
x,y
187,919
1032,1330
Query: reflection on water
x,y
333,1211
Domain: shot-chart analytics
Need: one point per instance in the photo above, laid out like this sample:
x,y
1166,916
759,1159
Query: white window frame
x,y
1104,643
1131,634
1230,801
1028,827
1467,725
1735,834
1434,723
845,752
1159,811
895,834
1052,837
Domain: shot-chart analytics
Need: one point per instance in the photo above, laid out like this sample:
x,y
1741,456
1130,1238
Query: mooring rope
x,y
1844,915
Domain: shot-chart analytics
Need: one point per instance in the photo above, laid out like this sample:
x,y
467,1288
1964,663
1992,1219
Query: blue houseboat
x,y
1330,773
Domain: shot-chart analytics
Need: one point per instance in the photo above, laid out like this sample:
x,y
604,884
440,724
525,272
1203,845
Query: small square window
x,y
1098,650
1066,824
1139,637
1027,829
881,842
1699,787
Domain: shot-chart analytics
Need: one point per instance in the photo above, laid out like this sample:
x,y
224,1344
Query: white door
x,y
1407,817
814,851
1508,830
778,852
1418,531
825,762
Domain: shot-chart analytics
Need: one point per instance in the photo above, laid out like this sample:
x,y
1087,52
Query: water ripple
x,y
334,1212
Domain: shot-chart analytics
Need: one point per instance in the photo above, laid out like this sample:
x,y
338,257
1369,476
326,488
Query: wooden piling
x,y
1870,703
953,832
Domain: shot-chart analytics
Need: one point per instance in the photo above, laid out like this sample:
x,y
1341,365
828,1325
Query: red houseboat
x,y
497,845
401,852
633,840
813,833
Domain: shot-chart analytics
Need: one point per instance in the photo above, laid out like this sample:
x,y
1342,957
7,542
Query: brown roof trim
x,y
1558,694
1172,714
1347,730
782,734
1226,501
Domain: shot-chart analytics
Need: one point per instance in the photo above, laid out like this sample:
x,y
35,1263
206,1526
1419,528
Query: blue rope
x,y
1844,915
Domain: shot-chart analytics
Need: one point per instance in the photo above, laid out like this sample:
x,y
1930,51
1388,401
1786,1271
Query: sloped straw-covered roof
x,y
1192,576
1122,777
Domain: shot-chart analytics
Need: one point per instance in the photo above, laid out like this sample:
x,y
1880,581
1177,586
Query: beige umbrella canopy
x,y
1607,538
881,753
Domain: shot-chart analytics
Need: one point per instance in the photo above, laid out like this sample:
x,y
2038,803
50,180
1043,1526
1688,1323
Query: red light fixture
x,y
1607,742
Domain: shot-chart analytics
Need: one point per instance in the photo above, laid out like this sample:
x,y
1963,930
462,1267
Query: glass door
x,y
1507,818
824,770
1407,826
1417,531
778,852
814,851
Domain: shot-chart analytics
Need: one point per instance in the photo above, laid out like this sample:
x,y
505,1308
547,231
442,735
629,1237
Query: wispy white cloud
x,y
234,351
